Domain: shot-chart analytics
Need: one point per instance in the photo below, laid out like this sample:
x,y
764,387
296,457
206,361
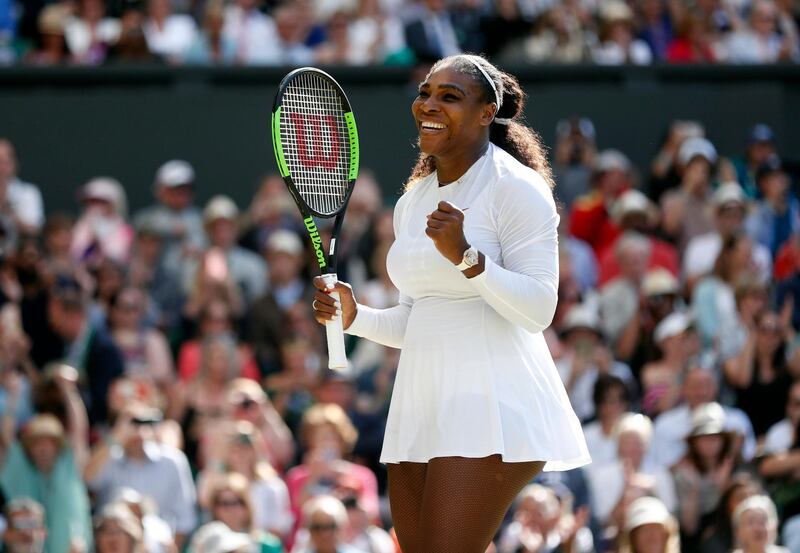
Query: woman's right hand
x,y
325,307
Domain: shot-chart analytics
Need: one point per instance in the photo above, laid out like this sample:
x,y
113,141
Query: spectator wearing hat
x,y
730,208
23,199
700,386
246,269
661,379
117,530
102,230
776,215
704,472
26,531
760,146
174,217
574,155
586,358
590,218
51,48
659,297
216,537
631,475
633,211
755,524
684,209
267,316
714,299
45,465
649,527
620,298
130,457
618,44
611,400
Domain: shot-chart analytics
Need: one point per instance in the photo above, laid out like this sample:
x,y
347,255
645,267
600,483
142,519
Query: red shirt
x,y
591,222
189,361
663,254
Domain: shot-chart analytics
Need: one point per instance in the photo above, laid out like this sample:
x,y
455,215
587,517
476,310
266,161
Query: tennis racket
x,y
316,146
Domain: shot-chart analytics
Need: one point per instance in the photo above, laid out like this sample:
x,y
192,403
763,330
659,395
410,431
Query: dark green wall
x,y
74,123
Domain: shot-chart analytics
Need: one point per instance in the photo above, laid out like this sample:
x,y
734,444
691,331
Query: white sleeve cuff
x,y
363,321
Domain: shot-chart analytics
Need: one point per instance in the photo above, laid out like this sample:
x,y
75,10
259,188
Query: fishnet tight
x,y
453,504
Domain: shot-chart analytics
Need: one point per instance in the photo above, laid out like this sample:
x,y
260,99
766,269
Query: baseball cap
x,y
608,160
615,11
659,282
646,510
673,324
771,165
174,173
761,133
284,241
102,188
707,419
697,146
220,207
728,193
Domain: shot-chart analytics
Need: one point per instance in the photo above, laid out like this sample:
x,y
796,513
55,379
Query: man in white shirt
x,y
22,199
132,458
672,427
253,33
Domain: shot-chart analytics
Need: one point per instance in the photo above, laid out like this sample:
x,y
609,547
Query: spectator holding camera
x,y
239,448
102,230
131,457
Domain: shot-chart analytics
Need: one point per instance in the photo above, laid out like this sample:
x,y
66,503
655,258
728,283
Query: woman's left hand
x,y
446,229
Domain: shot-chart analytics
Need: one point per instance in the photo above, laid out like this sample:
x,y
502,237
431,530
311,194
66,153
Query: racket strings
x,y
316,142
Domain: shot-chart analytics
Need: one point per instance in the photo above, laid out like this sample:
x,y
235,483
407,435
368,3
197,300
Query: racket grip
x,y
337,360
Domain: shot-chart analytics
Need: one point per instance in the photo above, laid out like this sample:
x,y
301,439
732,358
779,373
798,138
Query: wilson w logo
x,y
311,142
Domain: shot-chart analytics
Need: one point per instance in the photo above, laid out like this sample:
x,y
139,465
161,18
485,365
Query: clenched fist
x,y
446,229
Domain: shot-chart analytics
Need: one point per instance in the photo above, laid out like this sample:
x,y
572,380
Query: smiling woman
x,y
477,403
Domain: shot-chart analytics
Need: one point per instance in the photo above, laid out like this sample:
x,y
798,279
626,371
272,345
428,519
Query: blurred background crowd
x,y
163,385
397,32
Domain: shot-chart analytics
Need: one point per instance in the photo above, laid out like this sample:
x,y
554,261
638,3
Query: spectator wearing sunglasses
x,y
325,520
131,457
231,505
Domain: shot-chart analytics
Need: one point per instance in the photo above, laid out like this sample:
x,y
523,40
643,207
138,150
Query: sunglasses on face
x,y
323,527
229,503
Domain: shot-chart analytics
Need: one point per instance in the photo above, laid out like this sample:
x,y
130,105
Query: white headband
x,y
497,99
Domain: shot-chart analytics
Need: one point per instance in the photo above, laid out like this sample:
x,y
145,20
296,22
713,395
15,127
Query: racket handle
x,y
337,360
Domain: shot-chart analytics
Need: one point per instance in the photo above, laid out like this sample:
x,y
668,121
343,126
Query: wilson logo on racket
x,y
316,241
318,157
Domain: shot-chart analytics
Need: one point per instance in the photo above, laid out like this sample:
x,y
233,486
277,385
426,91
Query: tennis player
x,y
478,408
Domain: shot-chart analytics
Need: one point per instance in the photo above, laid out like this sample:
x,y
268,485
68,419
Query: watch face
x,y
471,257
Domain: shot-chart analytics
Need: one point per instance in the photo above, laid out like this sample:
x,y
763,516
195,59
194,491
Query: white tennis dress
x,y
475,376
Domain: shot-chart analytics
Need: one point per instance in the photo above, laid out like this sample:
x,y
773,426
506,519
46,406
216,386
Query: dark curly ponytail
x,y
519,140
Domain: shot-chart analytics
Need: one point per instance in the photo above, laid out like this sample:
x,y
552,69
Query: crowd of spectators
x,y
397,32
163,385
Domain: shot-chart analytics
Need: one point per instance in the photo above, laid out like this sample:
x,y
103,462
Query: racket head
x,y
315,140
